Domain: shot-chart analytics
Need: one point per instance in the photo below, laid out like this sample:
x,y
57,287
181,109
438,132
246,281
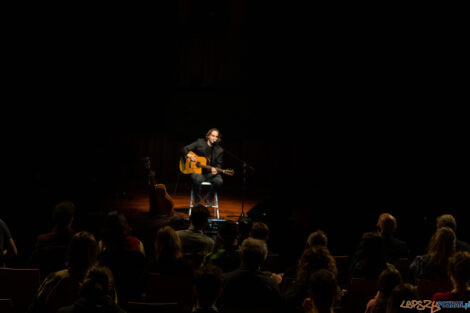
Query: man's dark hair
x,y
208,282
63,213
402,292
228,232
259,230
373,245
82,252
199,216
388,279
115,228
97,284
317,238
322,288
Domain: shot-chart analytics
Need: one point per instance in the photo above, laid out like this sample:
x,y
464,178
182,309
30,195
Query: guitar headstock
x,y
229,172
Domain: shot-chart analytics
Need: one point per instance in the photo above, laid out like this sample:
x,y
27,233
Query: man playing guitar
x,y
209,148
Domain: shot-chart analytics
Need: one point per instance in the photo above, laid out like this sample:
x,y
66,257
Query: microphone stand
x,y
242,217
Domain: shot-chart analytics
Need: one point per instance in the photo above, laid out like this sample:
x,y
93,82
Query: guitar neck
x,y
209,167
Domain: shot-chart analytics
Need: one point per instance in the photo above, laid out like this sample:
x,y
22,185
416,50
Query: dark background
x,y
344,112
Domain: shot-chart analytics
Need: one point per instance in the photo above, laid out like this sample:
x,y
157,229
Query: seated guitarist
x,y
211,149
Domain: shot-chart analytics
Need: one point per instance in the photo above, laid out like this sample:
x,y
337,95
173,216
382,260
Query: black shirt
x,y
214,153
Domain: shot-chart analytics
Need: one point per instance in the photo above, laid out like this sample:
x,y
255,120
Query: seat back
x,y
20,285
6,306
169,288
128,271
342,264
151,307
49,259
402,265
272,263
427,288
286,283
360,292
194,259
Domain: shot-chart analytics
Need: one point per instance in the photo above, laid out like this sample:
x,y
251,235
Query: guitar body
x,y
161,202
189,167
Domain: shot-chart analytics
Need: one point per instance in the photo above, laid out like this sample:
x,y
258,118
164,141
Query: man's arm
x,y
14,250
190,147
11,250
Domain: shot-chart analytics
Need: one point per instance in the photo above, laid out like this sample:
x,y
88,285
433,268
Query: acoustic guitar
x,y
160,201
189,167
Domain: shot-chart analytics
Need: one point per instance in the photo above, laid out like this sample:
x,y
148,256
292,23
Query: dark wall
x,y
350,110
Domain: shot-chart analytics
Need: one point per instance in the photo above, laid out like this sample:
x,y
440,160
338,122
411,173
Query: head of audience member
x,y
253,252
199,217
402,292
208,285
98,285
386,224
167,245
373,248
317,238
441,246
459,271
314,259
228,234
388,279
62,215
371,257
82,252
115,229
322,290
259,230
446,220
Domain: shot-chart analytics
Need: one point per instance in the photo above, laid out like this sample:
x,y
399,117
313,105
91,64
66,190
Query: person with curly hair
x,y
312,260
459,272
433,265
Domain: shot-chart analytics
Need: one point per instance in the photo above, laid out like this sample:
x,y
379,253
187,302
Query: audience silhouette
x,y
103,276
459,272
124,255
226,255
50,252
248,289
62,288
433,265
193,240
168,255
97,294
388,279
7,244
447,220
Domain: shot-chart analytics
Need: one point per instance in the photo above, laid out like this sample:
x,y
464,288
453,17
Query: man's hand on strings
x,y
192,157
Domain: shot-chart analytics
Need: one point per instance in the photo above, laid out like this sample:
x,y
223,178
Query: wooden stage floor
x,y
230,205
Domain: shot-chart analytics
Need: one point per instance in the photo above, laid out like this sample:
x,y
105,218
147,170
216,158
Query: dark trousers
x,y
198,179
